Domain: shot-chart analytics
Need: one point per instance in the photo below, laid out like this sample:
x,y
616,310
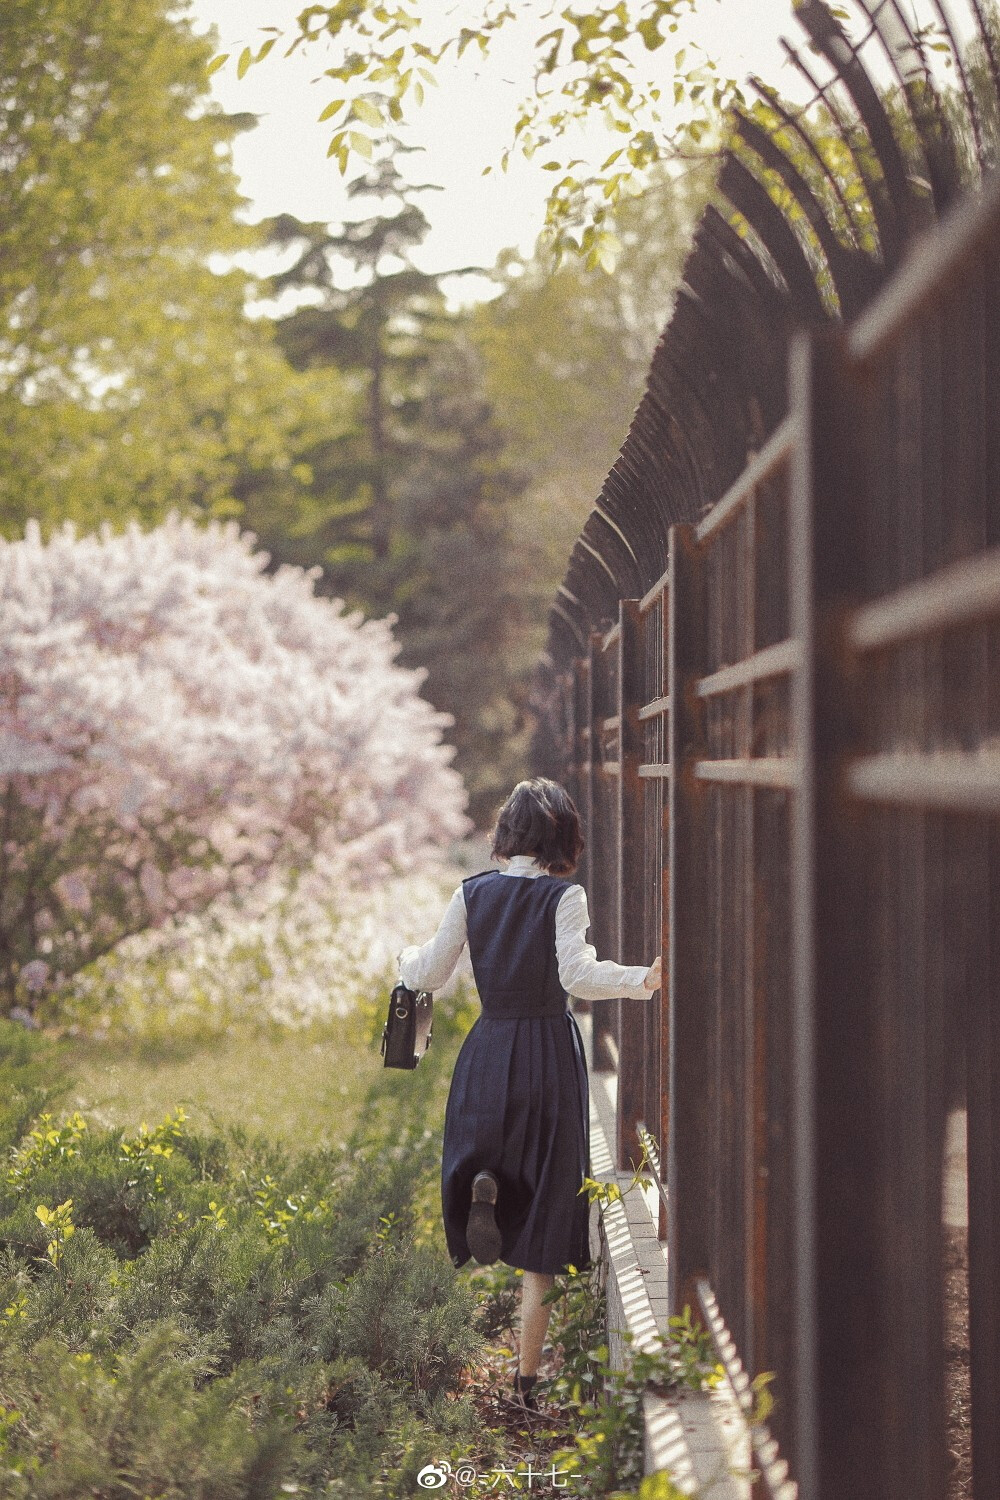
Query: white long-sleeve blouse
x,y
581,973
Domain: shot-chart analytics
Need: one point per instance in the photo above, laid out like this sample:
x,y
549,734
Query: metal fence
x,y
780,715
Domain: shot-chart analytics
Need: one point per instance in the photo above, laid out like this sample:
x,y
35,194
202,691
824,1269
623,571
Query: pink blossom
x,y
73,890
34,974
180,723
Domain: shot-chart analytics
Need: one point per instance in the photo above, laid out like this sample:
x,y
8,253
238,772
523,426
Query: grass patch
x,y
304,1085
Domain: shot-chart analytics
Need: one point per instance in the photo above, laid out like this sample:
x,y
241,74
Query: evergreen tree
x,y
375,318
460,576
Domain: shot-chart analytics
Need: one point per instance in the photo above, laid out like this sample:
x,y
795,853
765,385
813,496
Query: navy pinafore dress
x,y
518,1103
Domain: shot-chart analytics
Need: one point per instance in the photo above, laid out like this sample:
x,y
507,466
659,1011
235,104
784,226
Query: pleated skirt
x,y
518,1106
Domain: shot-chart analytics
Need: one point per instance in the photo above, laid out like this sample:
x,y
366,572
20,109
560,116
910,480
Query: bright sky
x,y
464,124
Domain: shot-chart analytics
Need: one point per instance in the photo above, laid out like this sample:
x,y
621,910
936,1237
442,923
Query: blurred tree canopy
x,y
130,379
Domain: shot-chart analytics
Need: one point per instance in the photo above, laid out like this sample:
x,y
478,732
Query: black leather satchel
x,y
406,1034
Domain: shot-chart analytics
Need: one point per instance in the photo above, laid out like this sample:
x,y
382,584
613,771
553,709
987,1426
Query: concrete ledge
x,y
699,1438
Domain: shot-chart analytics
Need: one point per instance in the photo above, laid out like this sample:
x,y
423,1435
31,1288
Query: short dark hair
x,y
539,818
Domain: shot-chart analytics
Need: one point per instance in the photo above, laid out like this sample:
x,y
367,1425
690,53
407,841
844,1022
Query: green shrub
x,y
138,1425
192,1313
29,1079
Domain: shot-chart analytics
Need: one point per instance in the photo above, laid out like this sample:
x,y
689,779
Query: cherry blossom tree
x,y
175,724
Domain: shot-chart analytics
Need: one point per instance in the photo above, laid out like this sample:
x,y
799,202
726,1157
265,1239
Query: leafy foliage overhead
x,y
588,62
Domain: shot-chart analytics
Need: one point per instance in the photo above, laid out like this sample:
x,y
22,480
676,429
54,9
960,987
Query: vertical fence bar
x,y
804,836
691,1087
631,872
571,762
582,750
838,1184
665,912
771,1344
583,762
867,1415
603,859
983,1052
583,755
983,1003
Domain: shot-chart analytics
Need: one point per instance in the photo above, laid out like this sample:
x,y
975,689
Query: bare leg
x,y
534,1319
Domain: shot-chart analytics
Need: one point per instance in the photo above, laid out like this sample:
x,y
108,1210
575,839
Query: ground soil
x,y
956,1348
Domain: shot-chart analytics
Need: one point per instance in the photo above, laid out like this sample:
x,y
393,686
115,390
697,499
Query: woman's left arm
x,y
581,973
431,966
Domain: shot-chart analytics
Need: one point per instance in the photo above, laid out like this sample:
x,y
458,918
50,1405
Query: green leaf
x,y
332,108
650,32
367,112
217,63
362,144
246,58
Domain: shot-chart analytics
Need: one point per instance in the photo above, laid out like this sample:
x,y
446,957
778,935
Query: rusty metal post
x,y
631,870
571,768
585,753
983,1052
839,1355
582,763
691,1086
983,1002
603,921
663,1012
867,1405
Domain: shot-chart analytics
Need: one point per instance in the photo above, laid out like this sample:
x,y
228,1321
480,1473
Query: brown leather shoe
x,y
482,1234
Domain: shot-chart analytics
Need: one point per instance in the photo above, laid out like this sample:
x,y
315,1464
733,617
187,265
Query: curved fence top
x,y
816,205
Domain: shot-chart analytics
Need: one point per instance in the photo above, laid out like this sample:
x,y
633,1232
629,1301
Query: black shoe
x,y
481,1233
524,1391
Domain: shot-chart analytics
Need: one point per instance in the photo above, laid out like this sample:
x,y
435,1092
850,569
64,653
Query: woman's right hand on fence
x,y
653,978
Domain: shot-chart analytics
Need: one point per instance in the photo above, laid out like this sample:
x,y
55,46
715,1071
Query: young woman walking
x,y
516,1131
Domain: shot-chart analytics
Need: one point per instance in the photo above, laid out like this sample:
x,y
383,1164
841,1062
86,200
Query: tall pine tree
x,y
372,316
460,586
